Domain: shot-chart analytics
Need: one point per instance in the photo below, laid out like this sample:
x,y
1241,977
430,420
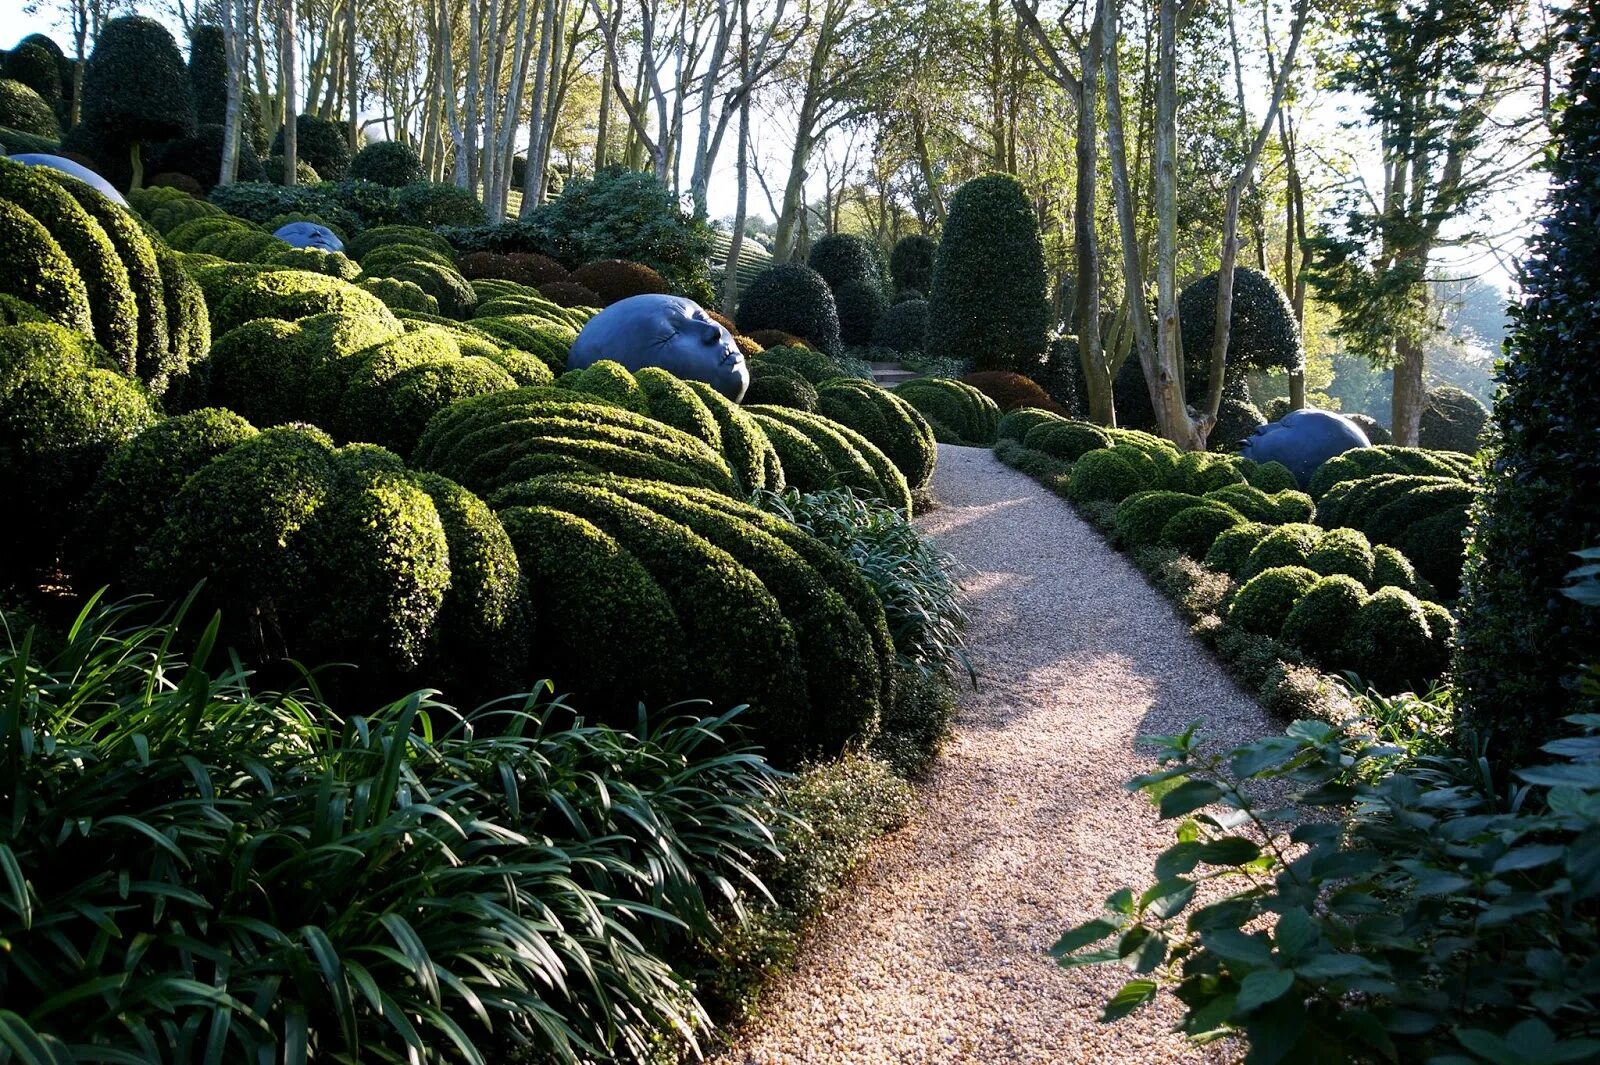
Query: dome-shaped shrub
x,y
36,66
751,456
1100,476
135,88
1140,517
911,263
1066,440
793,299
1012,390
290,295
1392,569
846,258
1017,424
610,381
1233,547
814,366
1267,476
272,171
988,300
1237,419
24,110
1264,602
778,389
525,268
569,294
437,203
853,460
319,142
378,236
1195,529
887,420
1322,620
958,413
1286,545
455,297
775,338
805,468
617,279
35,269
860,305
1391,645
1452,420
1263,333
903,327
388,163
1343,551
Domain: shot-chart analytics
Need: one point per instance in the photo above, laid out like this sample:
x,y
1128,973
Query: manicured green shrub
x,y
1263,603
794,299
1195,529
1286,545
524,268
456,298
1263,333
62,411
891,423
1011,391
1392,569
290,295
1279,508
24,110
781,389
1016,424
275,167
1370,461
911,262
434,203
387,256
1103,476
1322,620
488,442
1232,548
1425,517
316,261
388,163
903,327
1344,551
618,279
322,143
1391,645
390,392
814,366
611,382
35,269
1237,420
1140,517
958,413
135,88
39,68
988,299
805,467
749,454
1452,420
378,236
1267,476
1376,433
671,400
853,460
1204,471
262,369
112,308
846,258
860,305
179,371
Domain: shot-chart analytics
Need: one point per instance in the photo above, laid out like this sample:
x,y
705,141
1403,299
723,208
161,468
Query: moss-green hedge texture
x,y
1343,551
843,258
609,381
777,388
1423,516
290,295
1263,603
1267,476
794,299
814,366
1140,517
1387,458
805,466
1452,420
24,110
1065,440
853,460
1286,545
135,85
891,423
1233,547
1016,424
1392,645
1321,621
400,295
671,400
1195,529
389,163
751,456
35,269
957,412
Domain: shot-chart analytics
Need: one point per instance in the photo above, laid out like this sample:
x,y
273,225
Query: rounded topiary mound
x,y
379,236
291,295
1264,602
1277,509
1267,476
988,300
751,456
610,381
844,259
1263,333
903,327
525,268
39,68
437,203
1391,644
958,413
814,366
887,420
911,263
1066,440
1140,517
671,400
24,110
1344,551
1237,418
617,279
322,144
1195,529
569,294
792,299
1233,547
852,459
1452,420
455,297
1286,545
778,389
273,170
1322,620
1102,476
1018,423
35,270
861,304
1392,569
389,163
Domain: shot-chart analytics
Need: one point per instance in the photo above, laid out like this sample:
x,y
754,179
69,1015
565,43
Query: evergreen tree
x,y
136,89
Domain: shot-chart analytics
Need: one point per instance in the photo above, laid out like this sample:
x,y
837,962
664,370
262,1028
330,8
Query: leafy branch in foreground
x,y
1441,920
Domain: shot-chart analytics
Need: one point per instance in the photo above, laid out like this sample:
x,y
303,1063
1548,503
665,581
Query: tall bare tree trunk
x,y
233,52
474,90
533,172
353,73
286,55
602,135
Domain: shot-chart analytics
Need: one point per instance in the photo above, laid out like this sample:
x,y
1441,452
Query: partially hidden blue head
x,y
309,235
1303,440
77,170
671,332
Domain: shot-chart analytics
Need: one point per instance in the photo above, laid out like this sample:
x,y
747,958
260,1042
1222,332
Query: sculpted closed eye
x,y
670,332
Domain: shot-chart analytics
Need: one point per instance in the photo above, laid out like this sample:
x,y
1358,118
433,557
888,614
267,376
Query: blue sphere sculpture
x,y
77,170
666,331
1303,440
309,235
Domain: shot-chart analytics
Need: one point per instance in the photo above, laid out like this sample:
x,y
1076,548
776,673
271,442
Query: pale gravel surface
x,y
938,954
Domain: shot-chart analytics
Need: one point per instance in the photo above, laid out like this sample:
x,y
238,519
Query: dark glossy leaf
x,y
1262,986
1188,797
1129,997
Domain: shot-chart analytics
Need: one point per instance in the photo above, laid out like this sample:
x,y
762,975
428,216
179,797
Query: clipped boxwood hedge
x,y
891,423
958,413
853,460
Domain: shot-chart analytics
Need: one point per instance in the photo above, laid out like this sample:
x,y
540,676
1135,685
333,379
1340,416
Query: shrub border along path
x,y
940,954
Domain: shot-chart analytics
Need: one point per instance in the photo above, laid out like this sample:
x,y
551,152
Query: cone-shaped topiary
x,y
136,89
988,300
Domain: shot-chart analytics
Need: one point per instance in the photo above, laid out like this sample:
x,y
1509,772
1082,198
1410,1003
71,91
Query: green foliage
x,y
1262,604
388,394
388,163
1452,420
1140,517
1393,644
322,143
35,270
199,156
1267,476
1237,421
860,305
846,258
1392,569
1104,476
62,411
744,445
1432,919
611,382
958,413
1066,440
291,295
380,236
1232,548
1262,331
38,68
1194,530
794,299
777,388
23,109
914,724
1344,551
135,86
814,366
1015,425
1277,509
455,297
903,327
606,833
988,298
805,467
1286,545
911,262
435,203
671,400
891,423
1323,619
181,367
1387,458
1424,517
853,460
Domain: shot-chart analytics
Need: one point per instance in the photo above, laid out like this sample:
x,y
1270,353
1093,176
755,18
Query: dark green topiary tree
x,y
1521,642
200,157
988,298
861,304
911,263
1452,420
36,67
136,89
387,163
794,299
322,143
903,327
208,74
842,258
1263,333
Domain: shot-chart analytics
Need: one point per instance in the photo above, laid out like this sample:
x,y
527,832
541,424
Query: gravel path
x,y
939,954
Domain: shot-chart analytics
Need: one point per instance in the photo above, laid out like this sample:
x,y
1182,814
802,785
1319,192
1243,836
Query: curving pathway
x,y
939,954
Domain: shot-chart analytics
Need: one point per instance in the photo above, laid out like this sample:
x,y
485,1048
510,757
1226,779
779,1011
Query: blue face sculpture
x,y
67,166
309,235
666,331
1303,440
